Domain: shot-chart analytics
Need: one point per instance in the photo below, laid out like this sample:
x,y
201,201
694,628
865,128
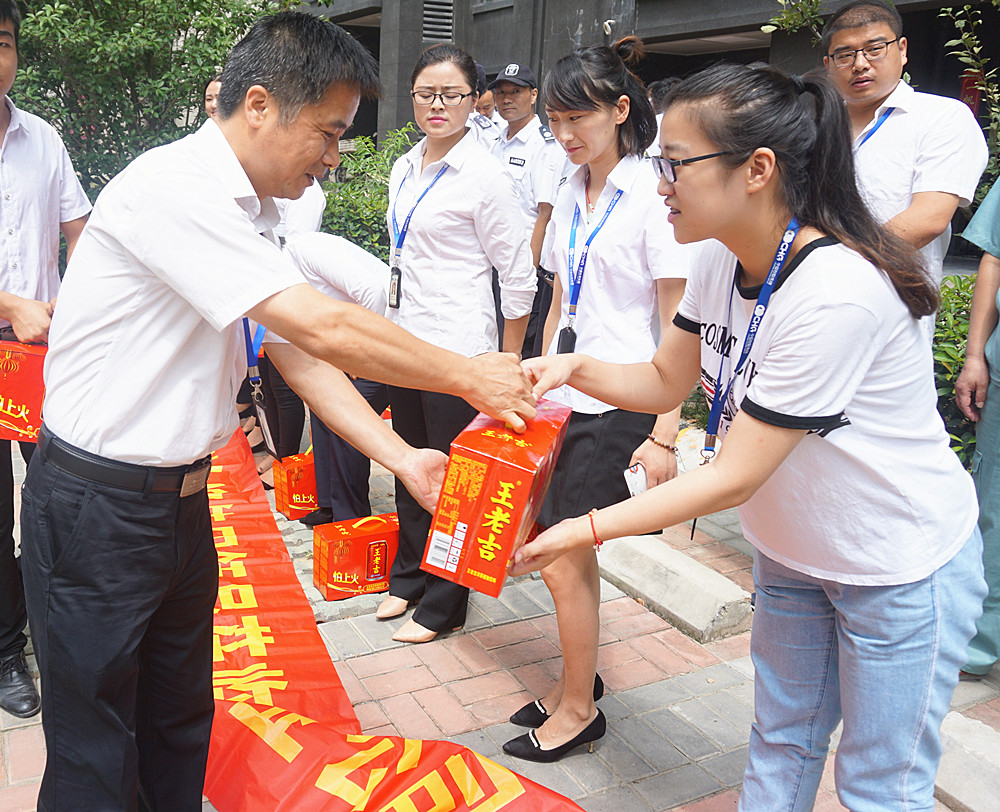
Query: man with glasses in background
x,y
918,156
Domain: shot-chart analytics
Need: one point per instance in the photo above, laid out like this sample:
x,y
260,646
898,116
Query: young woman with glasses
x,y
866,566
619,277
453,216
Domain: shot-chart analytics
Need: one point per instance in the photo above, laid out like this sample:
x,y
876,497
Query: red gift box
x,y
295,485
353,557
493,489
21,390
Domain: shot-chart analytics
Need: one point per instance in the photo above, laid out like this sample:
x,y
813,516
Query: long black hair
x,y
595,77
804,121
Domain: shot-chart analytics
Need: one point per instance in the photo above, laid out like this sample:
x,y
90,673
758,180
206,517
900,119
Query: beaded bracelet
x,y
662,444
597,541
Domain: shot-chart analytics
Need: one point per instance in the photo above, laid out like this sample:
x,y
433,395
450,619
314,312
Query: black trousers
x,y
12,613
286,414
533,335
120,589
425,420
341,470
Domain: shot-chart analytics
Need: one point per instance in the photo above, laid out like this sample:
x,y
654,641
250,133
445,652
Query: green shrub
x,y
356,203
950,334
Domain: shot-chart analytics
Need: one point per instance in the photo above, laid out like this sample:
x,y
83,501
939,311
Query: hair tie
x,y
798,83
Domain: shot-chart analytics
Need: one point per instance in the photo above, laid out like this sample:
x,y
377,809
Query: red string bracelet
x,y
597,541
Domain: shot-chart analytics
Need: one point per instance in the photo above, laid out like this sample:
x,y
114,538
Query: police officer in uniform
x,y
534,160
485,128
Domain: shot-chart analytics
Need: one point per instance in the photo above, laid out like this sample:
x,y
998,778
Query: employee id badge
x,y
257,397
395,276
567,340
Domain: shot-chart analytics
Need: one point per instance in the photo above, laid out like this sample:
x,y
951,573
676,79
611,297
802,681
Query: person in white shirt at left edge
x,y
146,353
41,196
918,156
453,217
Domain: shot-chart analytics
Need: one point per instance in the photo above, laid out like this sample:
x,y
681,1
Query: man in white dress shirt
x,y
40,196
918,156
146,355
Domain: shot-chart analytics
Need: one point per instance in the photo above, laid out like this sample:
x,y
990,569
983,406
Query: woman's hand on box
x,y
422,472
547,546
549,371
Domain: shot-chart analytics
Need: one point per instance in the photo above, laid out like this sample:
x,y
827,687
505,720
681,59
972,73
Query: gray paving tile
x,y
377,633
554,776
495,612
613,708
538,592
744,693
502,732
478,740
677,787
624,762
728,767
653,696
521,603
475,619
655,749
716,530
717,728
731,708
588,770
740,544
681,733
710,680
744,665
343,639
609,592
617,799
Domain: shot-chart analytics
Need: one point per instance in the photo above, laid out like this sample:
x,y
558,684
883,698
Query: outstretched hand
x,y
422,472
500,388
548,545
549,371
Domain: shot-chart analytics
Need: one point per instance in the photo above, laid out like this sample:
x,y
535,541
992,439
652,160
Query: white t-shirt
x,y
302,215
927,144
617,317
530,156
872,495
38,191
465,226
146,348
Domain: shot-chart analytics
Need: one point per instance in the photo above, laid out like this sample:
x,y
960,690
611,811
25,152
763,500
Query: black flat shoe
x,y
17,690
323,515
534,714
528,748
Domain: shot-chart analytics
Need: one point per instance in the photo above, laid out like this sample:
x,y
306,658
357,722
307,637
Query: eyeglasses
x,y
873,53
667,167
450,98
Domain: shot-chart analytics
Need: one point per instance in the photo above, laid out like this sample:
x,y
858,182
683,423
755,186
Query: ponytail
x,y
804,121
598,76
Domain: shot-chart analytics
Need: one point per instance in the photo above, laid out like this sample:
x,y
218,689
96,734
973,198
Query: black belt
x,y
183,479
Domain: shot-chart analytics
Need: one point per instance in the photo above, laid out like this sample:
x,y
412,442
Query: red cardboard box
x,y
295,485
493,490
353,557
21,390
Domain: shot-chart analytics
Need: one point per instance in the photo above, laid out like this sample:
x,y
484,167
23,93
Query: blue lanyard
x,y
400,235
881,120
576,271
719,397
253,349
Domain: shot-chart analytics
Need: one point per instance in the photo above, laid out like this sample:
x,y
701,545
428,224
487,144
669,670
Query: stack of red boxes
x,y
295,485
493,489
21,390
353,557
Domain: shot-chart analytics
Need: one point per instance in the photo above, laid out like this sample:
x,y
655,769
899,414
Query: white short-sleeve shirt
x,y
146,348
341,270
466,225
872,495
927,144
618,316
530,157
38,191
302,215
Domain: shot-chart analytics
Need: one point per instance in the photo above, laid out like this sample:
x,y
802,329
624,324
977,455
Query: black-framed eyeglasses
x,y
873,53
667,167
450,98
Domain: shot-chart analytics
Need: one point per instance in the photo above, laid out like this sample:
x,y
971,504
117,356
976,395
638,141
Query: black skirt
x,y
590,470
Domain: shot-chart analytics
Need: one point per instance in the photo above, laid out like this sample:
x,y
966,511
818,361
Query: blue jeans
x,y
886,659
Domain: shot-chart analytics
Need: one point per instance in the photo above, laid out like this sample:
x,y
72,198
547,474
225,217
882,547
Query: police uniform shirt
x,y
485,129
38,191
528,156
146,348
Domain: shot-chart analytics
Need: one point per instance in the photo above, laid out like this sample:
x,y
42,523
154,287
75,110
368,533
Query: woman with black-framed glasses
x,y
453,217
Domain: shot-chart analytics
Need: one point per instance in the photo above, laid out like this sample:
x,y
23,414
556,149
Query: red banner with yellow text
x,y
285,735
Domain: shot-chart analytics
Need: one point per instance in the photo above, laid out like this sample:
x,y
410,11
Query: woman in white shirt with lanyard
x,y
453,216
619,277
802,321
